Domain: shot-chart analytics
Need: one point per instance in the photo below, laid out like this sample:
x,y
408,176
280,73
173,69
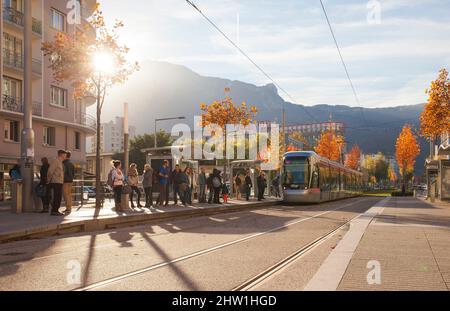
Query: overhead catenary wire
x,y
343,62
250,59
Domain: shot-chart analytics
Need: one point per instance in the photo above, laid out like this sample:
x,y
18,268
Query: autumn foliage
x,y
407,151
435,120
226,112
330,145
353,158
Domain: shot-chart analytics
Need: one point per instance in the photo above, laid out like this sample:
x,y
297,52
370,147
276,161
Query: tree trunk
x,y
98,186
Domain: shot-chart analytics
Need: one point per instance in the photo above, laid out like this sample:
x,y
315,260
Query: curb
x,y
115,222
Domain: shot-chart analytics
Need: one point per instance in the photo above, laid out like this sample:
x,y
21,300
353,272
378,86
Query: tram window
x,y
315,178
296,172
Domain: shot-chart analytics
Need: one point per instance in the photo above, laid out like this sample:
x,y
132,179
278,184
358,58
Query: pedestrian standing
x,y
190,177
117,179
184,187
209,185
55,178
176,181
225,193
248,185
217,186
163,176
276,186
147,183
133,181
69,176
262,185
202,184
43,183
237,186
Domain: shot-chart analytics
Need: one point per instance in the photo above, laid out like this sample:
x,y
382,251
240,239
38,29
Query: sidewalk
x,y
410,239
32,225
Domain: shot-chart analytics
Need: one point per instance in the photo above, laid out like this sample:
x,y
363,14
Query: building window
x,y
11,131
77,140
57,20
49,136
58,97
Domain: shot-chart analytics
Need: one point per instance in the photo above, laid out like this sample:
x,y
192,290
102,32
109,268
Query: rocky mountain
x,y
162,89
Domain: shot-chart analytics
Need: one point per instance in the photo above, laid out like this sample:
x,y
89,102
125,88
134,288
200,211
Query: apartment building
x,y
111,137
59,121
438,168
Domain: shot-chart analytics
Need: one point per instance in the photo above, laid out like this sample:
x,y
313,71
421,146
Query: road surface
x,y
223,252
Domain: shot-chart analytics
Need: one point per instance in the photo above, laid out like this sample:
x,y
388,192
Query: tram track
x,y
125,276
289,260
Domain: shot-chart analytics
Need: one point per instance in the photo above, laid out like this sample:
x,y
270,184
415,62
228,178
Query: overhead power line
x,y
249,58
343,62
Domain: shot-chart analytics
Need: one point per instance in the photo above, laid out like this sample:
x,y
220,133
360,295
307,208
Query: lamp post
x,y
126,164
165,119
27,141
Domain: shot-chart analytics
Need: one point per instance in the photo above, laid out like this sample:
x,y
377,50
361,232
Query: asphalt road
x,y
202,253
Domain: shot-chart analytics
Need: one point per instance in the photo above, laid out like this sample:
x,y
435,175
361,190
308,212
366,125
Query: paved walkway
x,y
15,225
408,242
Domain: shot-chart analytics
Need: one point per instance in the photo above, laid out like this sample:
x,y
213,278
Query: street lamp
x,y
165,119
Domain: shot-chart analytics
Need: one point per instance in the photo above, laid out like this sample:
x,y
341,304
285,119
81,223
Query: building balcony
x,y
87,121
16,105
16,18
15,61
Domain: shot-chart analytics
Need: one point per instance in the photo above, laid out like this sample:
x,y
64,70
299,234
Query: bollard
x,y
17,207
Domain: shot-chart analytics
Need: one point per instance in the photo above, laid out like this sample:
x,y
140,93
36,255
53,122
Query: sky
x,y
392,54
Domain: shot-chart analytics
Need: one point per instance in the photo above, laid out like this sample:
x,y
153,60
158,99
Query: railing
x,y
87,120
16,60
37,26
14,104
14,16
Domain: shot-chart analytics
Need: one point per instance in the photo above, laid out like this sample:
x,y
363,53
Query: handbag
x,y
40,191
126,189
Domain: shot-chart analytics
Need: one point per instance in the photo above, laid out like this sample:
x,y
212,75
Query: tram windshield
x,y
296,172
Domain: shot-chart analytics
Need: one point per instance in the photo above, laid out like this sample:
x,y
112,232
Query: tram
x,y
309,178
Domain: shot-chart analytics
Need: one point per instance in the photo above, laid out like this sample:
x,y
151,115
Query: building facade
x,y
111,137
438,169
59,121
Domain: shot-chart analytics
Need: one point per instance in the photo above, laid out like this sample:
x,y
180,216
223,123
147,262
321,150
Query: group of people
x,y
211,188
56,182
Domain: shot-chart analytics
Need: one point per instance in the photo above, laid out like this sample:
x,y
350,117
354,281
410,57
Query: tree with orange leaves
x,y
407,151
353,158
330,145
435,120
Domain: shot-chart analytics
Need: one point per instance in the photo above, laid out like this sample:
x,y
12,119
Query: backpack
x,y
216,182
110,181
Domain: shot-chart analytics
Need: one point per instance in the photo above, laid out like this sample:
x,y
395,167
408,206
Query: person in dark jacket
x,y
217,185
248,185
176,181
69,175
43,182
262,185
209,185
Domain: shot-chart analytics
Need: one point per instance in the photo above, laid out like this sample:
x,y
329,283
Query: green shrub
x,y
401,194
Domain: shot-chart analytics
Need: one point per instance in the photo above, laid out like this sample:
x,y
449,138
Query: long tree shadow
x,y
177,271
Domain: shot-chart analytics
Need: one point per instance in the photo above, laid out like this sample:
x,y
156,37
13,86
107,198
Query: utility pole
x,y
27,141
126,158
